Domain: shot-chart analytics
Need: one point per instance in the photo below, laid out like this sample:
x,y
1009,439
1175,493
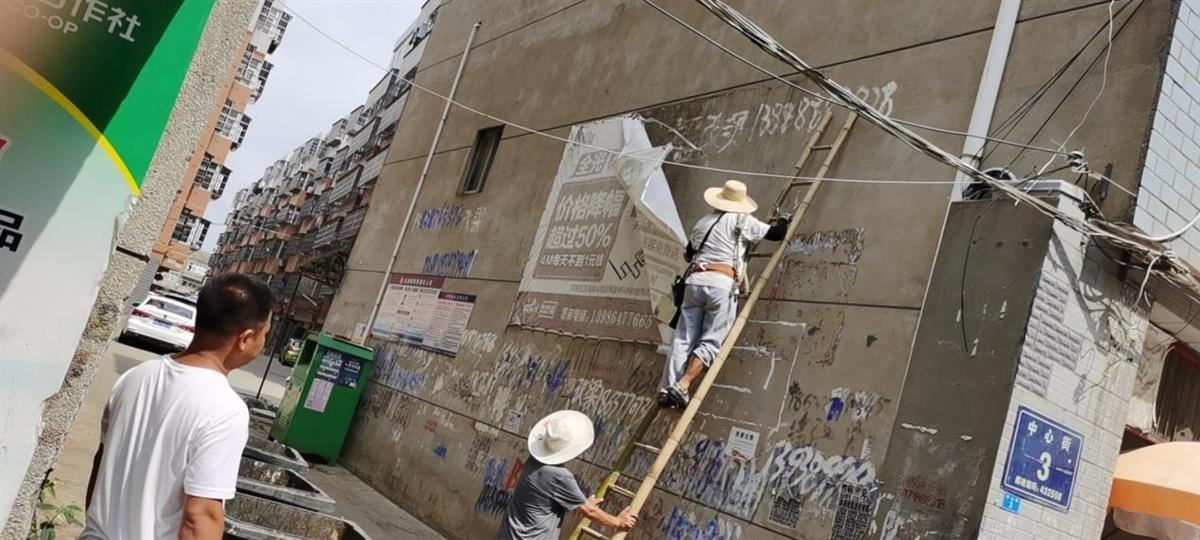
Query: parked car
x,y
291,353
162,321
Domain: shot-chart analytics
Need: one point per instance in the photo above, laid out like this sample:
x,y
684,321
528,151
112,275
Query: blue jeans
x,y
705,317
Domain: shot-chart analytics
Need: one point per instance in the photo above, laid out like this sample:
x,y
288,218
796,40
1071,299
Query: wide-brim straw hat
x,y
730,198
561,437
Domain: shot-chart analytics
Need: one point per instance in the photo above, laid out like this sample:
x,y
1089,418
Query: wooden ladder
x,y
663,455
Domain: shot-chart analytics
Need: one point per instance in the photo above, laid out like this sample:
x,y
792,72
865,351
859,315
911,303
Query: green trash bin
x,y
322,395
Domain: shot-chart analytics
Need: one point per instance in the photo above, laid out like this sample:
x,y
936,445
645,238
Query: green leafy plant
x,y
52,513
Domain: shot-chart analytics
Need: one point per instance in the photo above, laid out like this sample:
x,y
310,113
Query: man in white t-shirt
x,y
173,430
717,249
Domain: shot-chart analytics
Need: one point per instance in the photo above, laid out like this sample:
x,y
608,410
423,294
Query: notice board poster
x,y
415,310
348,376
407,308
609,242
87,89
449,322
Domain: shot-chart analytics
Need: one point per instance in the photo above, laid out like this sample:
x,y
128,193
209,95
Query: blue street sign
x,y
1042,460
1012,503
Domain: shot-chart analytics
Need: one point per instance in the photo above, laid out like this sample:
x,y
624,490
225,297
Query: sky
x,y
313,83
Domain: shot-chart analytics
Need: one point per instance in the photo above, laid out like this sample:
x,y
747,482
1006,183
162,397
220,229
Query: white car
x,y
163,320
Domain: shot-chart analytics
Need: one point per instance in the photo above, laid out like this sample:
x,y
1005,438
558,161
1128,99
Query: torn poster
x,y
609,242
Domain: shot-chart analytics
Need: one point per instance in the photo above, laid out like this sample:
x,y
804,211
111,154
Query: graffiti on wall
x,y
805,474
681,524
451,216
715,132
820,264
450,263
500,477
614,413
704,472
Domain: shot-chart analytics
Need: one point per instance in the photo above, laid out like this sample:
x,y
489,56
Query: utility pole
x,y
287,328
412,205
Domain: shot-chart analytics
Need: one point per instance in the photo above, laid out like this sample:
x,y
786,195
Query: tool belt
x,y
719,268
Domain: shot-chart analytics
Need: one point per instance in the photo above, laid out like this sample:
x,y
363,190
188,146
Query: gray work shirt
x,y
535,509
724,245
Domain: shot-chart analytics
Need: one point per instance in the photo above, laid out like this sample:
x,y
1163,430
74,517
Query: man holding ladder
x,y
716,253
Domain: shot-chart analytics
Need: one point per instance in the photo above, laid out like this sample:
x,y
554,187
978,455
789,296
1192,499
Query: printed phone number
x,y
1031,485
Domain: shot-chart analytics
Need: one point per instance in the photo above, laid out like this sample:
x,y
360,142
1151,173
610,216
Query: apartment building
x,y
186,227
294,227
915,345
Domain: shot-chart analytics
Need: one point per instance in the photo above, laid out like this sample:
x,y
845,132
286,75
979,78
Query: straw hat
x,y
730,198
561,437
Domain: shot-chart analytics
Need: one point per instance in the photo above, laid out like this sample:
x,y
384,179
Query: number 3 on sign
x,y
1044,472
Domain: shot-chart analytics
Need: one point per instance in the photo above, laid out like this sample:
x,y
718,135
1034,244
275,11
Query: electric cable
x,y
815,95
601,149
837,91
1005,128
1078,81
1086,227
1103,84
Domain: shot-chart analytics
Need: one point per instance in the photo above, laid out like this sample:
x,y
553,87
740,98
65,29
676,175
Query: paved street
x,y
372,511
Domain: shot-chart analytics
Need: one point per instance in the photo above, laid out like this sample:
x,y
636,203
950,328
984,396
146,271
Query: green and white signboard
x,y
86,88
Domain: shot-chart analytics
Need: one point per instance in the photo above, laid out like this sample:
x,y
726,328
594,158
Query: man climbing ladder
x,y
638,497
717,251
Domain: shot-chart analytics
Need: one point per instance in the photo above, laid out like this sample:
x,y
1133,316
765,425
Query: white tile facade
x,y
1170,191
1077,368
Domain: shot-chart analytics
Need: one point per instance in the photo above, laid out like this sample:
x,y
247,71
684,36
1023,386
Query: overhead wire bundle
x,y
1148,248
1122,237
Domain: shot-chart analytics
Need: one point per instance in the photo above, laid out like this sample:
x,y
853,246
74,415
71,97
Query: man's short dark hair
x,y
231,303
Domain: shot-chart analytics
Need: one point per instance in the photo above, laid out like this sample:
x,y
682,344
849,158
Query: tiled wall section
x,y
1170,192
1077,368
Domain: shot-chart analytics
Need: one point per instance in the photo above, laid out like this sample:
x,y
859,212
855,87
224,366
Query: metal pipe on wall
x,y
989,90
412,205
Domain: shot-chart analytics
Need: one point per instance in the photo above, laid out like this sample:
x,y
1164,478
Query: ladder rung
x,y
795,183
592,532
648,448
823,147
621,491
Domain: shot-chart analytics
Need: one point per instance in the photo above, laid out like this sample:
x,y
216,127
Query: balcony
x,y
343,187
212,176
326,234
351,224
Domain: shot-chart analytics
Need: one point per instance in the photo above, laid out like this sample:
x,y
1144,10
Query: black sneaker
x,y
679,397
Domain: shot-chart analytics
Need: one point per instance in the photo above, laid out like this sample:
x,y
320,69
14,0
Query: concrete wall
x,y
1077,367
1170,194
199,91
820,373
1143,401
965,352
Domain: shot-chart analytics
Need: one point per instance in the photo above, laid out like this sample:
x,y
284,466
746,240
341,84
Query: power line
x,y
534,131
849,100
815,95
1010,123
1103,85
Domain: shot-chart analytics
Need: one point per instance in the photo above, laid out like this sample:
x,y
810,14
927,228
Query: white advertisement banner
x,y
609,241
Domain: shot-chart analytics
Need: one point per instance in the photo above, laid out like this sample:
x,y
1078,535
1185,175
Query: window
x,y
480,160
264,71
230,121
172,308
1177,411
183,227
207,172
249,66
